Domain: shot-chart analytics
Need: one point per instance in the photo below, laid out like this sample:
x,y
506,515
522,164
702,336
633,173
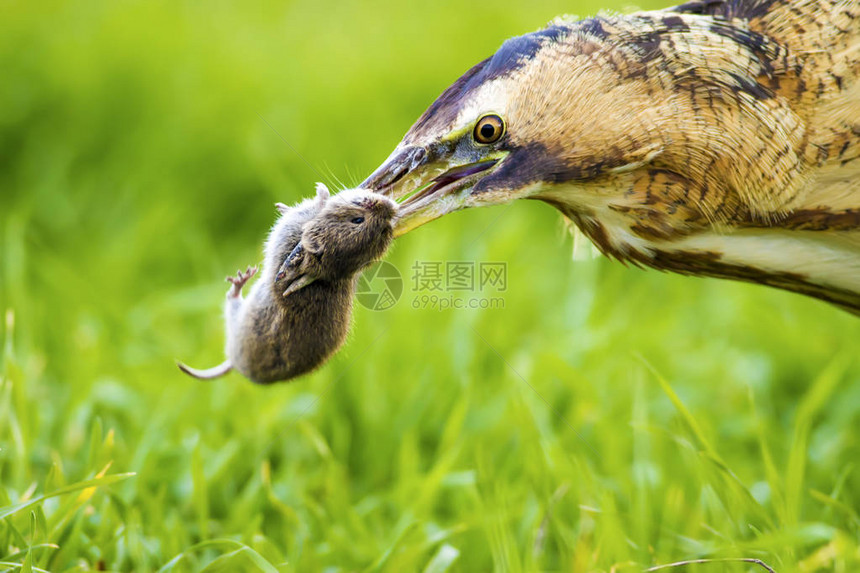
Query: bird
x,y
715,138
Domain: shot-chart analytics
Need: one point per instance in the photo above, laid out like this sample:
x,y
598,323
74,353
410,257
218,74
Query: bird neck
x,y
812,253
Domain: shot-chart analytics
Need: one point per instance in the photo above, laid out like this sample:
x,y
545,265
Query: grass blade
x,y
92,483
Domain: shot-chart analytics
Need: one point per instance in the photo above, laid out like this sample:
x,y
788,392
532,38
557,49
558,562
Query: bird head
x,y
579,114
548,109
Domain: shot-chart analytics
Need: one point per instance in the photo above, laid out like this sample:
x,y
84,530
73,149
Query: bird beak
x,y
428,182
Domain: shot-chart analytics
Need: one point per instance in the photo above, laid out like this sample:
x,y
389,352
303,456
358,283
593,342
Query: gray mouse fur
x,y
298,312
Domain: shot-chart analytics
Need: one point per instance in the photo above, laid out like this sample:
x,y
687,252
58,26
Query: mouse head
x,y
354,228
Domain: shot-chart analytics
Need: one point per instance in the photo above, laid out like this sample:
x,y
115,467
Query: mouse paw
x,y
239,280
293,260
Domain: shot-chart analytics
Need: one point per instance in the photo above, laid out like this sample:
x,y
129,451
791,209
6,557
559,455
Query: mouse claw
x,y
240,279
298,284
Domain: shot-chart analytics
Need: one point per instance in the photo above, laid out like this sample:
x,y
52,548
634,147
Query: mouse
x,y
298,313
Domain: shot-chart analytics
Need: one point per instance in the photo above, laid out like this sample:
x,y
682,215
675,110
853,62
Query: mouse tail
x,y
209,373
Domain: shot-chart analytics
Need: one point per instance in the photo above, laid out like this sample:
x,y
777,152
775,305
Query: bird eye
x,y
489,129
358,220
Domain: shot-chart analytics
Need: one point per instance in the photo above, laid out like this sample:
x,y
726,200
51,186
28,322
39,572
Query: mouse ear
x,y
322,194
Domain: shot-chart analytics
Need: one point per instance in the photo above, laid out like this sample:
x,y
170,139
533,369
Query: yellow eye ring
x,y
489,129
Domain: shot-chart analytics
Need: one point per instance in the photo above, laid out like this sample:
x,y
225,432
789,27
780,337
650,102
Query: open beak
x,y
425,185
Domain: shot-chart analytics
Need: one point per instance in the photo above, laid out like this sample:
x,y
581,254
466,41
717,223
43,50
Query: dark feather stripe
x,y
511,56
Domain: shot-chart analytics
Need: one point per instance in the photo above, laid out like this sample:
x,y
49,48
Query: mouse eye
x,y
358,220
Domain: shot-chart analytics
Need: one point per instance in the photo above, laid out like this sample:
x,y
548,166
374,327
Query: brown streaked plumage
x,y
718,138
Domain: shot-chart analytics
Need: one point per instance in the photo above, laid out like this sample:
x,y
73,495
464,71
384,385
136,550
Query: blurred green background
x,y
606,419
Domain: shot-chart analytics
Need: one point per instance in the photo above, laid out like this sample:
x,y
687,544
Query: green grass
x,y
606,419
